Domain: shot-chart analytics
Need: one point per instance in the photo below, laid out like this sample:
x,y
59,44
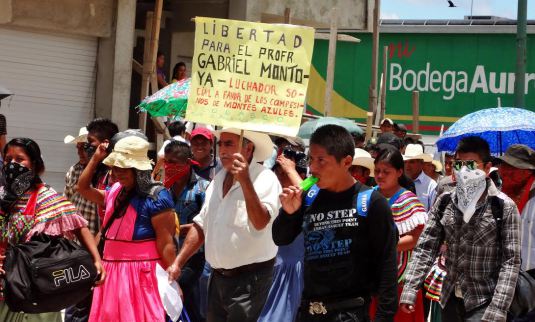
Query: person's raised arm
x,y
84,182
288,166
288,224
256,211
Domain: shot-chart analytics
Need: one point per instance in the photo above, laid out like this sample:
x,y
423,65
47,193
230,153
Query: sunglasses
x,y
470,164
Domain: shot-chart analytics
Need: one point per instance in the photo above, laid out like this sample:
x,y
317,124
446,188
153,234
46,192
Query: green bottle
x,y
308,183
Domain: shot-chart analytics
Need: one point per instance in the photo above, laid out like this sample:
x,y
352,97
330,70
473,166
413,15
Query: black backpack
x,y
524,298
47,274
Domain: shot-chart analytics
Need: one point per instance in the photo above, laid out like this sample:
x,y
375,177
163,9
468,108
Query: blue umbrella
x,y
306,130
500,127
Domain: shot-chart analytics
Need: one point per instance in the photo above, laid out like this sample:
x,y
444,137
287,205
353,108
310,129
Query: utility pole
x,y
520,73
372,102
331,58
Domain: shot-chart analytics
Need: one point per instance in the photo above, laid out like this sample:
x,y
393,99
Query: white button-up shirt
x,y
528,233
230,238
425,190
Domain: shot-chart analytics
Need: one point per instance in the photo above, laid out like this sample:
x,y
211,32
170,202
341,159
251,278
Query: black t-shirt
x,y
346,255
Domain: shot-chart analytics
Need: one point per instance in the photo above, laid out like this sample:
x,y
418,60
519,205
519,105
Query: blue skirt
x,y
284,296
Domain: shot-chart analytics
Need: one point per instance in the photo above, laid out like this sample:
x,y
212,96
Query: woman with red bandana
x,y
187,190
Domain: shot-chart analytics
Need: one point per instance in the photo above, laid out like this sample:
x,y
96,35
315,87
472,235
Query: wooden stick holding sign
x,y
240,146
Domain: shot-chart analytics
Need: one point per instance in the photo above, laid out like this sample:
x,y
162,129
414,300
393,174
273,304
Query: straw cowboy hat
x,y
438,166
364,159
82,137
130,152
263,146
416,152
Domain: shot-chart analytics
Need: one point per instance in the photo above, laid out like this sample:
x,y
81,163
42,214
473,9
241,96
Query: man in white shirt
x,y
414,164
235,224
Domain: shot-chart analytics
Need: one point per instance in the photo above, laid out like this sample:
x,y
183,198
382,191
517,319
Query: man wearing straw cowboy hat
x,y
414,165
235,224
362,167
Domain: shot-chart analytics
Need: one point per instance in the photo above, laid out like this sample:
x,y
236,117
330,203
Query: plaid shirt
x,y
484,271
86,208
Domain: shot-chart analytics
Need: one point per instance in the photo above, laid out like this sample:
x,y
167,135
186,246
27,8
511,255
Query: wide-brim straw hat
x,y
438,166
130,152
82,137
364,159
263,146
416,152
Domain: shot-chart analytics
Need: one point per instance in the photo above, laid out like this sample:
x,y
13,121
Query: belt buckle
x,y
317,308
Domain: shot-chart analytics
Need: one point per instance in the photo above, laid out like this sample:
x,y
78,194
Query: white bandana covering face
x,y
470,186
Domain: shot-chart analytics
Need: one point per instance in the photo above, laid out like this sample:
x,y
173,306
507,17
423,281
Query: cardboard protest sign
x,y
251,76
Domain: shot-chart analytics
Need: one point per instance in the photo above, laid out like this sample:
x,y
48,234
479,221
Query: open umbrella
x,y
306,130
500,127
170,100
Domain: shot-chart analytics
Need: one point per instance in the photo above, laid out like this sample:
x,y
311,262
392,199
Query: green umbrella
x,y
306,130
171,100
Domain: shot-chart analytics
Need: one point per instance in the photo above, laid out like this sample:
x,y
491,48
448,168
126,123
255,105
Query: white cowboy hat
x,y
387,120
438,166
263,146
364,159
82,137
130,152
416,152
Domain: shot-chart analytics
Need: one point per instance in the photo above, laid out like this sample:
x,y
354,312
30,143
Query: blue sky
x,y
438,9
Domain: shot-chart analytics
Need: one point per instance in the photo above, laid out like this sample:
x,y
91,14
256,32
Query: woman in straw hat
x,y
138,229
409,215
29,207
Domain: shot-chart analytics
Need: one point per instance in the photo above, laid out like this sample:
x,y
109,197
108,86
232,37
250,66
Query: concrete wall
x,y
352,14
114,72
82,17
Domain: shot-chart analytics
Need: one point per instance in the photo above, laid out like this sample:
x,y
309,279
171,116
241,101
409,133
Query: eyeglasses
x,y
470,164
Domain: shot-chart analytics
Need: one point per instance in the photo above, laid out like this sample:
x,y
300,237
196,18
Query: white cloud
x,y
389,15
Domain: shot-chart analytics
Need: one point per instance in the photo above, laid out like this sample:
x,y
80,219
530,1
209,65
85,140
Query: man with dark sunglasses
x,y
483,255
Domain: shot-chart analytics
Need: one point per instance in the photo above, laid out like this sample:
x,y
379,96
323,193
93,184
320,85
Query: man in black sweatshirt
x,y
350,236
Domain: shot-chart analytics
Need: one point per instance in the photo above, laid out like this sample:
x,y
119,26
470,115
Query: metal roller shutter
x,y
53,79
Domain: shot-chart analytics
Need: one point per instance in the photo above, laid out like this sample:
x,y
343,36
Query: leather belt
x,y
245,268
317,307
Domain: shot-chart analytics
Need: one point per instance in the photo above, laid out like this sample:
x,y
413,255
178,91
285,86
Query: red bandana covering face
x,y
175,172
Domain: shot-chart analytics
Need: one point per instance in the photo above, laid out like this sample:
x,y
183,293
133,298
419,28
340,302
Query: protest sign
x,y
251,76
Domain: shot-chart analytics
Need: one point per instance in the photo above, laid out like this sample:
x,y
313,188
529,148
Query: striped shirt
x,y
528,232
54,215
408,213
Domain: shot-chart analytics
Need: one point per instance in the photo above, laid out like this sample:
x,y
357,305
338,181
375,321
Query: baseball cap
x,y
203,132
